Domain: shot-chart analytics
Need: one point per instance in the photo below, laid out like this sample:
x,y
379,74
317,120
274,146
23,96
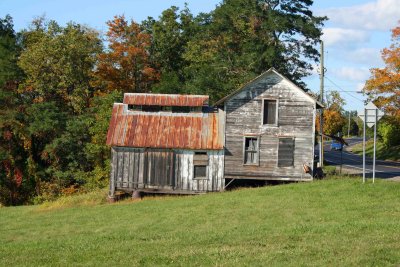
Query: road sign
x,y
371,115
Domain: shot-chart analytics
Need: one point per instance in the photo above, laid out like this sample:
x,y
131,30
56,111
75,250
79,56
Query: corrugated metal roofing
x,y
166,100
165,130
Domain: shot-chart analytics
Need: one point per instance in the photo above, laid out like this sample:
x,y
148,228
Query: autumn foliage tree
x,y
384,83
126,65
333,114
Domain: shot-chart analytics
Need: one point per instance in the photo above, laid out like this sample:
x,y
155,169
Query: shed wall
x,y
164,170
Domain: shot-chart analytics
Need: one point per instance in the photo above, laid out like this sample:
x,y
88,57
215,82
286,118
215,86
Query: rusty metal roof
x,y
165,129
166,100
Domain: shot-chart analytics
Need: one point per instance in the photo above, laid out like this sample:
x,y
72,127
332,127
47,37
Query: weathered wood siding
x,y
164,170
296,114
185,177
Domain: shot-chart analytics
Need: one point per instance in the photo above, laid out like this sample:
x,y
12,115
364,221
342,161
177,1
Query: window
x,y
200,171
200,163
270,112
151,108
286,152
173,109
180,109
250,150
134,108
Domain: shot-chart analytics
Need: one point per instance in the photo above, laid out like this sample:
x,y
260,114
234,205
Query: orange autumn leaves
x,y
384,83
333,114
126,66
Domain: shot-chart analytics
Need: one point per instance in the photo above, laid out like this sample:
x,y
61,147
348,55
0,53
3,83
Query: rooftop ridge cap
x,y
157,94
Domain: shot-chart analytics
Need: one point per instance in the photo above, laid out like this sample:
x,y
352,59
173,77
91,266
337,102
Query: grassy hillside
x,y
332,222
392,153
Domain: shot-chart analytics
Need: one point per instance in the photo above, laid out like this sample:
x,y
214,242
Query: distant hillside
x,y
331,222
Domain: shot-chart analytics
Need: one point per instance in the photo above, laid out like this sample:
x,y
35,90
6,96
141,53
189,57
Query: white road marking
x,y
354,167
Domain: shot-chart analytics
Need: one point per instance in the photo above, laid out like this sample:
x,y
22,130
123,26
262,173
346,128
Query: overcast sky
x,y
354,36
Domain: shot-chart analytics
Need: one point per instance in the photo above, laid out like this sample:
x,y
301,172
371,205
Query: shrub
x,y
390,133
49,191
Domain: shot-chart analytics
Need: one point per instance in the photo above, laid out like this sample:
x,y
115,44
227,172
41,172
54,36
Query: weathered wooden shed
x,y
269,130
167,144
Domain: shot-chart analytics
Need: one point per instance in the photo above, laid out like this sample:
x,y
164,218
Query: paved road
x,y
384,169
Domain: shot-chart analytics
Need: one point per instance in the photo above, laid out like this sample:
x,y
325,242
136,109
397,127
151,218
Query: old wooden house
x,y
167,144
178,144
269,130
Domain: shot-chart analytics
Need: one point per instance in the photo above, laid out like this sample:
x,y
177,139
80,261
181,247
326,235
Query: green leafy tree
x,y
96,151
43,122
354,129
389,132
54,95
15,185
79,155
9,52
242,38
291,32
58,63
170,34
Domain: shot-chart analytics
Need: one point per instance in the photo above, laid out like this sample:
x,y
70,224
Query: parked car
x,y
335,145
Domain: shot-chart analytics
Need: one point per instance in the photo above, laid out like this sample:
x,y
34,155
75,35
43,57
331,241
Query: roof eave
x,y
319,104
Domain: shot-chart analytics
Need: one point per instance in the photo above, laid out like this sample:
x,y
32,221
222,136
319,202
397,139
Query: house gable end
x,y
261,80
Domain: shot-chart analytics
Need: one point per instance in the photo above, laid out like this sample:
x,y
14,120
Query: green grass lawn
x,y
324,223
392,153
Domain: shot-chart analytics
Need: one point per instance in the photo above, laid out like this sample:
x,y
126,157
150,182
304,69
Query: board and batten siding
x,y
296,119
164,170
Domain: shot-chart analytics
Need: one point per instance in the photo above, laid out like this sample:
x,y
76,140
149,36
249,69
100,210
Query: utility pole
x,y
374,160
364,138
321,99
348,130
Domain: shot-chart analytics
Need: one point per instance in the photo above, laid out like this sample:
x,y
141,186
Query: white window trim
x,y
258,149
276,113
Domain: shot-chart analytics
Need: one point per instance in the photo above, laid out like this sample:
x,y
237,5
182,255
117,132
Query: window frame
x,y
257,163
200,159
294,149
276,112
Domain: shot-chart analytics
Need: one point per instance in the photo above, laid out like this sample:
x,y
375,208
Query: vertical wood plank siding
x,y
163,169
244,118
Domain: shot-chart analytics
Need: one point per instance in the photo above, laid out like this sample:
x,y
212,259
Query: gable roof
x,y
268,72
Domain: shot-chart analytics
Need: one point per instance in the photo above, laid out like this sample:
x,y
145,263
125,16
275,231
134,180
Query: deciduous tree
x,y
384,83
14,182
333,114
58,63
126,65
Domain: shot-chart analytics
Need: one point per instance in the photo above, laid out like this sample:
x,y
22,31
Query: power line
x,y
340,89
335,89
